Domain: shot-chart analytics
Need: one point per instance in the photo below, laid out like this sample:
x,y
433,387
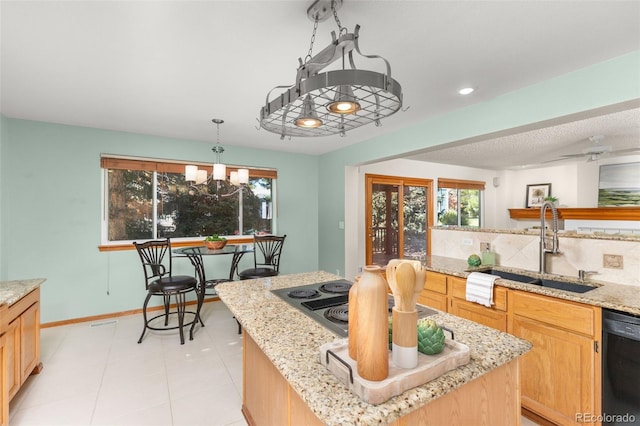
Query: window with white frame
x,y
460,202
146,199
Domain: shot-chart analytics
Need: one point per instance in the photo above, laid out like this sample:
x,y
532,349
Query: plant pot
x,y
215,245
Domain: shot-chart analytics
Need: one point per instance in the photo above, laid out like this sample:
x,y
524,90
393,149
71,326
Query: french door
x,y
398,215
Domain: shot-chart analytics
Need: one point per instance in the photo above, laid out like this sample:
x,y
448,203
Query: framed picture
x,y
537,193
619,185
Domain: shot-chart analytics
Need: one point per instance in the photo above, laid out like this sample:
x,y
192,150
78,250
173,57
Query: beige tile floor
x,y
96,374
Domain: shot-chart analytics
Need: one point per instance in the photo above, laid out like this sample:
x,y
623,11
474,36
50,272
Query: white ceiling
x,y
167,68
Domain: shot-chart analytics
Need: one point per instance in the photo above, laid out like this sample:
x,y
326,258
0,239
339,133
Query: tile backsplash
x,y
520,249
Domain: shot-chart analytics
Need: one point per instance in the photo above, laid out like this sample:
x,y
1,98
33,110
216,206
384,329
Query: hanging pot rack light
x,y
332,102
200,178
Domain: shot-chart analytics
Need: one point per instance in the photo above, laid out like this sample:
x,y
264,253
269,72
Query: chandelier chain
x,y
341,29
313,39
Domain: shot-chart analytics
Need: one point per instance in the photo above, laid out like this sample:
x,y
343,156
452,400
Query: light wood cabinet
x,y
263,387
4,390
267,397
560,376
434,293
494,316
22,342
269,400
29,341
13,357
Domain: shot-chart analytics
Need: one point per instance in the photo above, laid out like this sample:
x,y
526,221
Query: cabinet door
x,y
29,341
436,282
480,314
265,391
433,299
13,357
558,375
4,390
434,293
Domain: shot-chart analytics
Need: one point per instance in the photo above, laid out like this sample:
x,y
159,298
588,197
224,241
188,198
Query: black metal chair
x,y
159,281
266,257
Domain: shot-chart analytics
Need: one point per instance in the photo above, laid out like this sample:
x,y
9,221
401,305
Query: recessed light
x,y
466,90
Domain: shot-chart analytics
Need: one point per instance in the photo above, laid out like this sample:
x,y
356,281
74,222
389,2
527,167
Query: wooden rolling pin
x,y
405,282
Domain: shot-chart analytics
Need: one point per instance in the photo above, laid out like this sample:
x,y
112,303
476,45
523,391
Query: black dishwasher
x,y
620,368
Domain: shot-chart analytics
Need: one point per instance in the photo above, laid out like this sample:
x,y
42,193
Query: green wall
x,y
50,187
606,83
51,213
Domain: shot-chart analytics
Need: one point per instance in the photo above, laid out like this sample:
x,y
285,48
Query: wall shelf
x,y
595,213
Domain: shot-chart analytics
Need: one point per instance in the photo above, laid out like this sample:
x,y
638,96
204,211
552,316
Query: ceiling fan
x,y
596,151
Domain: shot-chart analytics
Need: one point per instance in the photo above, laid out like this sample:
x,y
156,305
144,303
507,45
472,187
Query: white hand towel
x,y
480,288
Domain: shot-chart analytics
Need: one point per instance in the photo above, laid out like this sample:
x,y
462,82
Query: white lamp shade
x,y
243,175
190,173
219,171
201,177
233,177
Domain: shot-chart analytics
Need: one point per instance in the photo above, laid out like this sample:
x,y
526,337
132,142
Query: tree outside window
x,y
146,204
459,202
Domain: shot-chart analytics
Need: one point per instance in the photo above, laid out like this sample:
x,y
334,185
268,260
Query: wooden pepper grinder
x,y
372,325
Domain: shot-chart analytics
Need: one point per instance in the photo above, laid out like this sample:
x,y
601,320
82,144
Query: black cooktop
x,y
328,303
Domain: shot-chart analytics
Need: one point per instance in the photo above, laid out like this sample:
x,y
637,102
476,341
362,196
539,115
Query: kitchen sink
x,y
510,276
542,282
562,285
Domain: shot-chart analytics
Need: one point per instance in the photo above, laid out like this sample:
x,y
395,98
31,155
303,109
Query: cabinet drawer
x,y
436,282
433,299
558,313
480,314
459,291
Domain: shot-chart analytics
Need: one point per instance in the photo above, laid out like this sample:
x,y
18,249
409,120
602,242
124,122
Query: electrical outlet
x,y
612,261
467,242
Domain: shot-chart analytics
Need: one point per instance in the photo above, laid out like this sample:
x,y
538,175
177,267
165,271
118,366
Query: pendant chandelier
x,y
200,178
333,102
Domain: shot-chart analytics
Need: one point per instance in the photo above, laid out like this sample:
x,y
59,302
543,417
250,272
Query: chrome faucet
x,y
544,243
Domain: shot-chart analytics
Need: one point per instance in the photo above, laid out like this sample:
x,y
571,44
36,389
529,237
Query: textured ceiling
x,y
546,145
167,68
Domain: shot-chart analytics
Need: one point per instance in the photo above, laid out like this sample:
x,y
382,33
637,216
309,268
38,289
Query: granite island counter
x,y
284,382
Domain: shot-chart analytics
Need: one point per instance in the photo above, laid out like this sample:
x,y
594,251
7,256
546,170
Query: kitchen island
x,y
284,382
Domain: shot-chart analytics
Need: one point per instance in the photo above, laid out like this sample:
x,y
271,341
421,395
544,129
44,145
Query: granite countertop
x,y
12,291
536,232
620,297
291,340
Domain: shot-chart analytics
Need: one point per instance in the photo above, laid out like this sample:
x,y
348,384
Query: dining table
x,y
196,256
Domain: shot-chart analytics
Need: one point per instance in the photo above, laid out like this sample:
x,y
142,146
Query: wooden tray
x,y
335,357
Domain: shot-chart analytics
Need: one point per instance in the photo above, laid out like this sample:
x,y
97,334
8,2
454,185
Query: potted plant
x,y
553,200
215,242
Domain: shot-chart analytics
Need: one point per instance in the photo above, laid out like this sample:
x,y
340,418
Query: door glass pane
x,y
384,222
447,206
415,222
470,207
